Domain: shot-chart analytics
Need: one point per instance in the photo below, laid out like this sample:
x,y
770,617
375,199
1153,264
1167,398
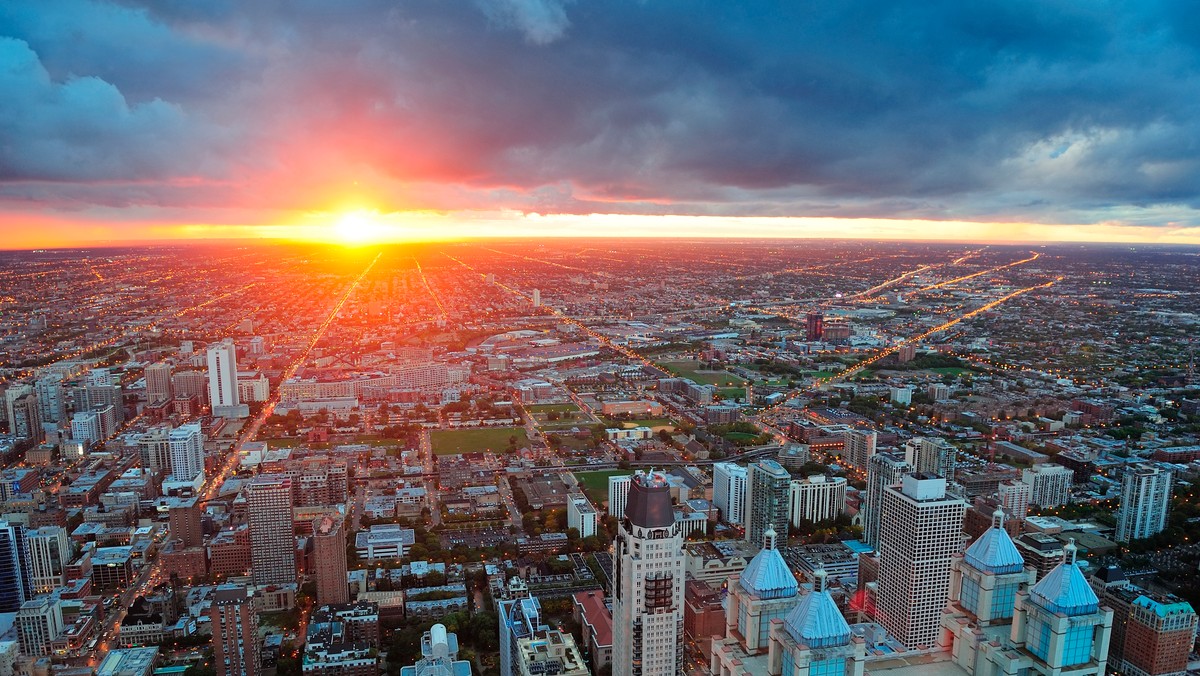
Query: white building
x,y
817,498
537,297
618,494
39,622
581,515
649,583
902,395
1145,500
187,452
1015,496
729,491
1049,484
253,386
49,553
222,381
85,428
920,531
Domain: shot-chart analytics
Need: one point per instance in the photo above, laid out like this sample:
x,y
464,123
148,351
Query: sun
x,y
360,227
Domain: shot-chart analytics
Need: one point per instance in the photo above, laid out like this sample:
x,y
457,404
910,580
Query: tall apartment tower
x,y
154,447
51,398
859,448
920,532
14,563
187,451
883,470
618,495
1145,500
185,524
520,618
817,498
158,382
236,646
581,515
49,553
648,583
814,326
768,499
1049,484
537,298
272,540
931,456
1015,496
222,381
329,559
729,491
39,622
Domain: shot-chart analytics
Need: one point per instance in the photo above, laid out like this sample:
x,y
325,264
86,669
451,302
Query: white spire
x,y
769,537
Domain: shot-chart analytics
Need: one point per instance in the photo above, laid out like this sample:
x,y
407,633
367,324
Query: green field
x,y
552,408
740,436
732,392
690,370
494,440
595,484
950,370
821,374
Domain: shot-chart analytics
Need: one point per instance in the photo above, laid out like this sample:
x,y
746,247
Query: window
x,y
1003,600
789,663
970,595
1038,638
834,667
1077,648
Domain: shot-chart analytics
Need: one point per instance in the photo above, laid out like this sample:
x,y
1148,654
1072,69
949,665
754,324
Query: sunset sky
x,y
368,120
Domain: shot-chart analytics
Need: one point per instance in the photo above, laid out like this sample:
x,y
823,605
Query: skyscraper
x,y
883,470
1049,484
187,452
14,583
859,448
222,381
49,553
158,382
185,524
817,498
920,530
329,560
520,618
537,298
648,583
39,622
51,398
236,645
768,499
1145,500
272,540
154,447
729,491
932,456
1015,496
581,515
618,494
814,326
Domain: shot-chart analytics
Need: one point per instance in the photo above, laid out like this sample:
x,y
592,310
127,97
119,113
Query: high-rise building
x,y
85,428
26,420
222,381
537,298
272,540
49,553
185,523
1152,632
814,325
439,655
618,494
236,645
765,590
648,582
190,384
815,639
51,398
258,346
158,382
768,499
920,530
883,470
1049,484
1145,501
859,448
520,618
729,491
581,515
932,456
14,564
39,622
329,560
816,498
187,452
1015,496
154,447
11,395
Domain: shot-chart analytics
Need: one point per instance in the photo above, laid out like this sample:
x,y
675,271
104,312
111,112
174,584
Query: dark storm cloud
x,y
1055,111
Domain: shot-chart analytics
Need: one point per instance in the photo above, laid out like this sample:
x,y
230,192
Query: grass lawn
x,y
950,370
576,444
821,374
732,392
289,442
690,369
552,408
653,423
740,436
595,484
495,440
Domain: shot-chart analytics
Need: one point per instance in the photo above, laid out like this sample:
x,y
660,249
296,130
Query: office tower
x,y
49,553
185,523
814,326
272,541
859,448
11,395
187,452
26,420
158,383
258,346
618,494
814,639
1015,497
190,384
764,591
14,584
816,498
234,618
648,582
932,456
729,491
768,493
439,655
581,515
920,530
39,622
51,398
520,618
883,470
1049,484
329,559
1145,500
154,447
1060,625
537,298
222,381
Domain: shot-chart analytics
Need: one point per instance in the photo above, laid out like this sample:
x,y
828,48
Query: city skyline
x,y
1014,123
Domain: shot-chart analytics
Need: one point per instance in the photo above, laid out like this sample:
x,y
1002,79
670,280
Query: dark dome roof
x,y
649,504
